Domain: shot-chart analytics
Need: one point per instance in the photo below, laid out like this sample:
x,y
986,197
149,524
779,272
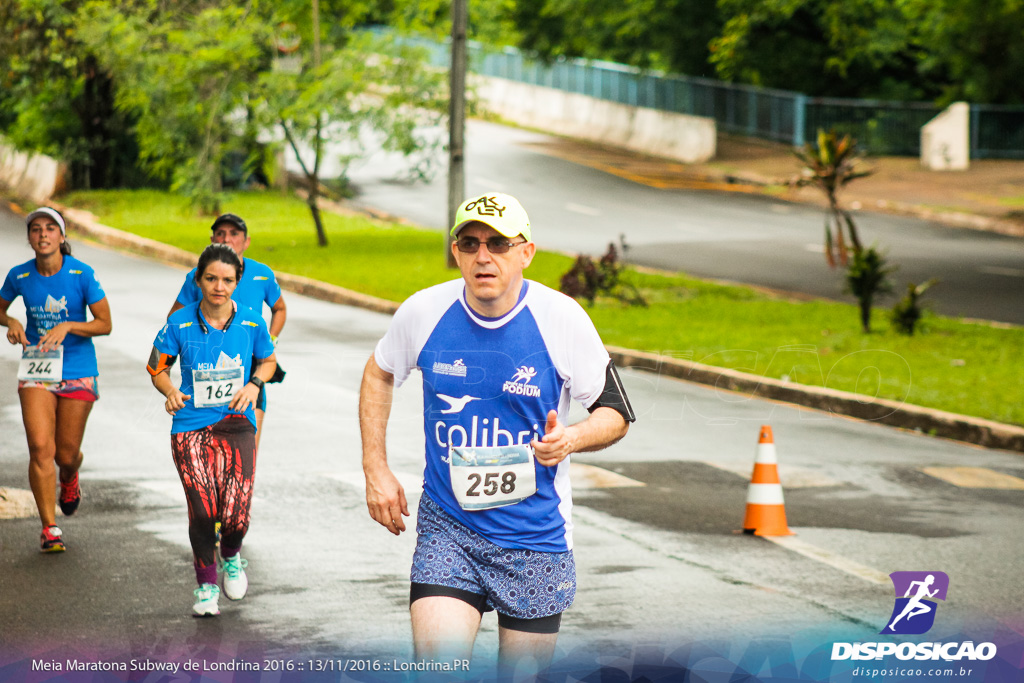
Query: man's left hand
x,y
558,442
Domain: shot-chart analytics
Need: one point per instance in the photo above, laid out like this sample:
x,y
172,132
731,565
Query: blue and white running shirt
x,y
203,347
256,286
491,382
58,298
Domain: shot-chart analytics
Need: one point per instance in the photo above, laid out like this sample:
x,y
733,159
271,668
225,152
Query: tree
x,y
199,79
55,100
938,50
943,50
369,85
845,48
664,34
830,163
975,47
184,77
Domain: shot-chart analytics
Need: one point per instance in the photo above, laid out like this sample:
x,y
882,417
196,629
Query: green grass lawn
x,y
966,368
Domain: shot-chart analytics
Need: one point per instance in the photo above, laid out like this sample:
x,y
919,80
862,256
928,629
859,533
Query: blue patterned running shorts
x,y
525,584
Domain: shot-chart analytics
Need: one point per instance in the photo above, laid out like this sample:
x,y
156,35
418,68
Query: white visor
x,y
52,213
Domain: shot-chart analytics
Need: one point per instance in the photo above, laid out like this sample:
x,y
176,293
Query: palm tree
x,y
830,164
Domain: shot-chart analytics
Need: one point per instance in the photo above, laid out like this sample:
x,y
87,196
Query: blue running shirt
x,y
491,382
258,285
245,337
58,298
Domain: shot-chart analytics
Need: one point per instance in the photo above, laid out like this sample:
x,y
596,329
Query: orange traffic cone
x,y
766,511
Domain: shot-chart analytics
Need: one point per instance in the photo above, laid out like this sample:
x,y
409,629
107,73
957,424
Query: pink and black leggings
x,y
216,465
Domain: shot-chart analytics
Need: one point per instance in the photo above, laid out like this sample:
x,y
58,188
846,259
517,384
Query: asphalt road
x,y
729,236
661,569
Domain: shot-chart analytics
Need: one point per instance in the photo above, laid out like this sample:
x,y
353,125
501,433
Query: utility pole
x,y
456,120
316,34
314,186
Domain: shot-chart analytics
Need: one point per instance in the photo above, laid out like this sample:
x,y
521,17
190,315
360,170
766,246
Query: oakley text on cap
x,y
502,212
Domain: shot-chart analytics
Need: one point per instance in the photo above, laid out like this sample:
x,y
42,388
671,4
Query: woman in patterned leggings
x,y
213,435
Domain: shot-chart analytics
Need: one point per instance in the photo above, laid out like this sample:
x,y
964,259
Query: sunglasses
x,y
495,245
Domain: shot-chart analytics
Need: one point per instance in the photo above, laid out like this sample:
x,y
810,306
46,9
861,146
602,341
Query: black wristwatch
x,y
257,381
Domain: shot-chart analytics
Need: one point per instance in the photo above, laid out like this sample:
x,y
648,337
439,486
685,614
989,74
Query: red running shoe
x,y
70,496
51,541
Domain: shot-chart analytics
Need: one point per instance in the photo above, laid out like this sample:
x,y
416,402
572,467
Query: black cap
x,y
232,219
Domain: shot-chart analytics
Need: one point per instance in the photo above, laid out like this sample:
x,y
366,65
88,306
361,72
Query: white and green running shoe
x,y
206,601
235,581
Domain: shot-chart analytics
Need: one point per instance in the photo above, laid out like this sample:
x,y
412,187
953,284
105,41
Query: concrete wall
x,y
945,140
35,177
682,137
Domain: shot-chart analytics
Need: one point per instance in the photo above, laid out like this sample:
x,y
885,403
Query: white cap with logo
x,y
502,212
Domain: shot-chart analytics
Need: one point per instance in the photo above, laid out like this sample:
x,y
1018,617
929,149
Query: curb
x,y
933,422
82,223
978,431
953,219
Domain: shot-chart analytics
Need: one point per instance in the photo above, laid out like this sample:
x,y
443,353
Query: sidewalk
x,y
988,196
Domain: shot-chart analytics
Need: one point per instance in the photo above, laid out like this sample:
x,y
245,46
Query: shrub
x,y
866,276
587,279
907,312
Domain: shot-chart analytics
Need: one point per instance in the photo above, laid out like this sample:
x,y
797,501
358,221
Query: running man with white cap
x,y
501,357
57,376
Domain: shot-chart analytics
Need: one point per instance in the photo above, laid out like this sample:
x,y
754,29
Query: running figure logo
x,y
524,373
914,613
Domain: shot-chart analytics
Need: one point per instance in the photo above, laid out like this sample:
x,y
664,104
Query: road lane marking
x,y
170,488
582,477
998,270
585,210
975,478
831,559
487,182
591,477
410,482
660,174
798,477
17,503
792,477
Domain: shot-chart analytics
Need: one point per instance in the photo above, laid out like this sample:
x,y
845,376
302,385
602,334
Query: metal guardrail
x,y
881,127
997,132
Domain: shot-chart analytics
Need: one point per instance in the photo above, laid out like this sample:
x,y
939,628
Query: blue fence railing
x,y
997,132
881,127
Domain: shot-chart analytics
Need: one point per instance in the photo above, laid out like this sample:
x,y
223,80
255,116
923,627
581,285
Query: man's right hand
x,y
385,499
